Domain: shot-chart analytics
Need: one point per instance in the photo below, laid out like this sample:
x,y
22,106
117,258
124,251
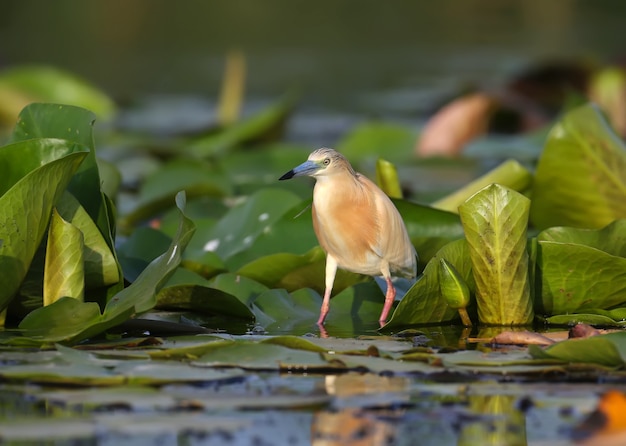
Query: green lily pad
x,y
262,356
238,229
607,350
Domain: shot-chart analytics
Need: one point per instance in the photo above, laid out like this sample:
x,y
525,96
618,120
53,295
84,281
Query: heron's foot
x,y
323,332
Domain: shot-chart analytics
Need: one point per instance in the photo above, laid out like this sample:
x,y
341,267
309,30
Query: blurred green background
x,y
352,55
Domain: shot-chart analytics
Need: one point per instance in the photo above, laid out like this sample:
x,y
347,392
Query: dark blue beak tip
x,y
289,175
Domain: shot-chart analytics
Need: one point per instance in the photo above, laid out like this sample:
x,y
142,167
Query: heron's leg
x,y
389,296
331,270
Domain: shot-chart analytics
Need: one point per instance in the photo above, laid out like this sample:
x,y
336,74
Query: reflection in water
x,y
498,422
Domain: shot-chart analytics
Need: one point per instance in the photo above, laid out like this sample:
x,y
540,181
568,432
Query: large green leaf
x,y
581,175
371,139
101,267
581,269
64,274
27,201
607,350
424,303
510,174
495,222
292,271
257,126
240,227
70,321
72,124
577,277
430,229
610,239
48,84
196,178
292,233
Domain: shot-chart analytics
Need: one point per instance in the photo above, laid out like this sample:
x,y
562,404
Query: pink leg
x,y
331,270
325,306
389,298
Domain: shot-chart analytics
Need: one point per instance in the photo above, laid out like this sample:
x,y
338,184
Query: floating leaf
x,y
607,350
581,175
495,221
257,356
64,274
238,229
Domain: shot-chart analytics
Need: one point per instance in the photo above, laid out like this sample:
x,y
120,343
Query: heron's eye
x,y
326,161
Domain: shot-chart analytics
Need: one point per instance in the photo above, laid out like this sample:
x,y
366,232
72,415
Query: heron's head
x,y
321,162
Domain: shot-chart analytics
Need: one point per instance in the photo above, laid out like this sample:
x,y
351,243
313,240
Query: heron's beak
x,y
306,168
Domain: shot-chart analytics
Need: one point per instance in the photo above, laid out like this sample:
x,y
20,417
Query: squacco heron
x,y
356,224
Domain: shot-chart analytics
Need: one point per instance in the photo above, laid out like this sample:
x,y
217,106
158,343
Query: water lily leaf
x,y
606,350
597,320
244,289
202,299
581,175
49,84
291,233
424,303
196,178
34,175
262,356
430,229
100,264
294,342
610,239
143,246
367,140
71,321
64,273
510,174
577,277
495,222
72,124
238,229
254,127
